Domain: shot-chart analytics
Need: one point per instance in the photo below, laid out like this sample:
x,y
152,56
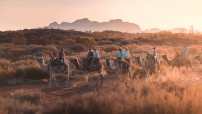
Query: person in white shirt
x,y
185,51
126,55
96,55
154,53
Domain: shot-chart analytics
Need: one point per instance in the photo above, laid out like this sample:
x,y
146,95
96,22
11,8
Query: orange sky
x,y
163,14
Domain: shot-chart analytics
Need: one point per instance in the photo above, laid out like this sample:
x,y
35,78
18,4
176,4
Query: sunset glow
x,y
163,14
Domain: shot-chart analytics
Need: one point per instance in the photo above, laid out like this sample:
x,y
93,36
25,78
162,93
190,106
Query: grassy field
x,y
23,87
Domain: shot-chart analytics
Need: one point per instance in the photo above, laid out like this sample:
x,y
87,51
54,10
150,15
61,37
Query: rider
x,y
154,54
61,55
90,56
96,56
185,51
127,55
120,55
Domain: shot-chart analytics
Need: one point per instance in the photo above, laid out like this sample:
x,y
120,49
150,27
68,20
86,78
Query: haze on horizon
x,y
163,14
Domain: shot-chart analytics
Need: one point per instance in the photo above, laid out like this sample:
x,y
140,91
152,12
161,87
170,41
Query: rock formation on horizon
x,y
87,25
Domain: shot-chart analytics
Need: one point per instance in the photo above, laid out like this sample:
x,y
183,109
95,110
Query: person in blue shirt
x,y
120,54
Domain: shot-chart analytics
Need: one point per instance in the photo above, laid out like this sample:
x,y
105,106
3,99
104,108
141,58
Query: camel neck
x,y
77,64
168,61
43,66
108,63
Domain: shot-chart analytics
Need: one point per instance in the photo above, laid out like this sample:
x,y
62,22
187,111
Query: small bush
x,y
19,41
77,48
6,74
3,112
111,48
88,41
6,70
33,97
34,73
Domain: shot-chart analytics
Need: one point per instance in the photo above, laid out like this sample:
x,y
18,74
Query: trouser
x,y
90,61
96,60
61,60
119,61
127,60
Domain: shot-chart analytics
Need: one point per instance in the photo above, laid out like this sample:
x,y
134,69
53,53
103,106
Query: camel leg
x,y
171,70
158,67
129,74
67,80
67,77
86,77
55,81
99,77
147,73
50,81
117,75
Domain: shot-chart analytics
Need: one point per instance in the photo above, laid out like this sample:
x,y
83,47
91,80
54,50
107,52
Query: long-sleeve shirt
x,y
61,54
126,54
185,51
154,53
96,54
120,54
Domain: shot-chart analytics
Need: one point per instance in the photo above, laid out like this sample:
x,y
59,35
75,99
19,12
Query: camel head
x,y
164,56
197,57
73,61
40,60
138,58
108,61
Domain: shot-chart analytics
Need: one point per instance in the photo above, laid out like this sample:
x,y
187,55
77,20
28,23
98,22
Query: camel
x,y
138,61
124,68
140,72
151,66
93,68
178,62
199,58
54,70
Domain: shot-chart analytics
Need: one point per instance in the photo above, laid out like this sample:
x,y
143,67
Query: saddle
x,y
94,62
56,62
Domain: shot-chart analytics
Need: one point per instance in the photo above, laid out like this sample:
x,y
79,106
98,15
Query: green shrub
x,y
19,41
88,41
77,48
111,48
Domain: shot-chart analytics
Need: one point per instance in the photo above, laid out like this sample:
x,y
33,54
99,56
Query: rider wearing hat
x,y
185,51
90,56
154,54
96,55
127,55
61,55
120,55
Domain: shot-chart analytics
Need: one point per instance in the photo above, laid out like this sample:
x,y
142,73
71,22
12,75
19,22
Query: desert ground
x,y
24,86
